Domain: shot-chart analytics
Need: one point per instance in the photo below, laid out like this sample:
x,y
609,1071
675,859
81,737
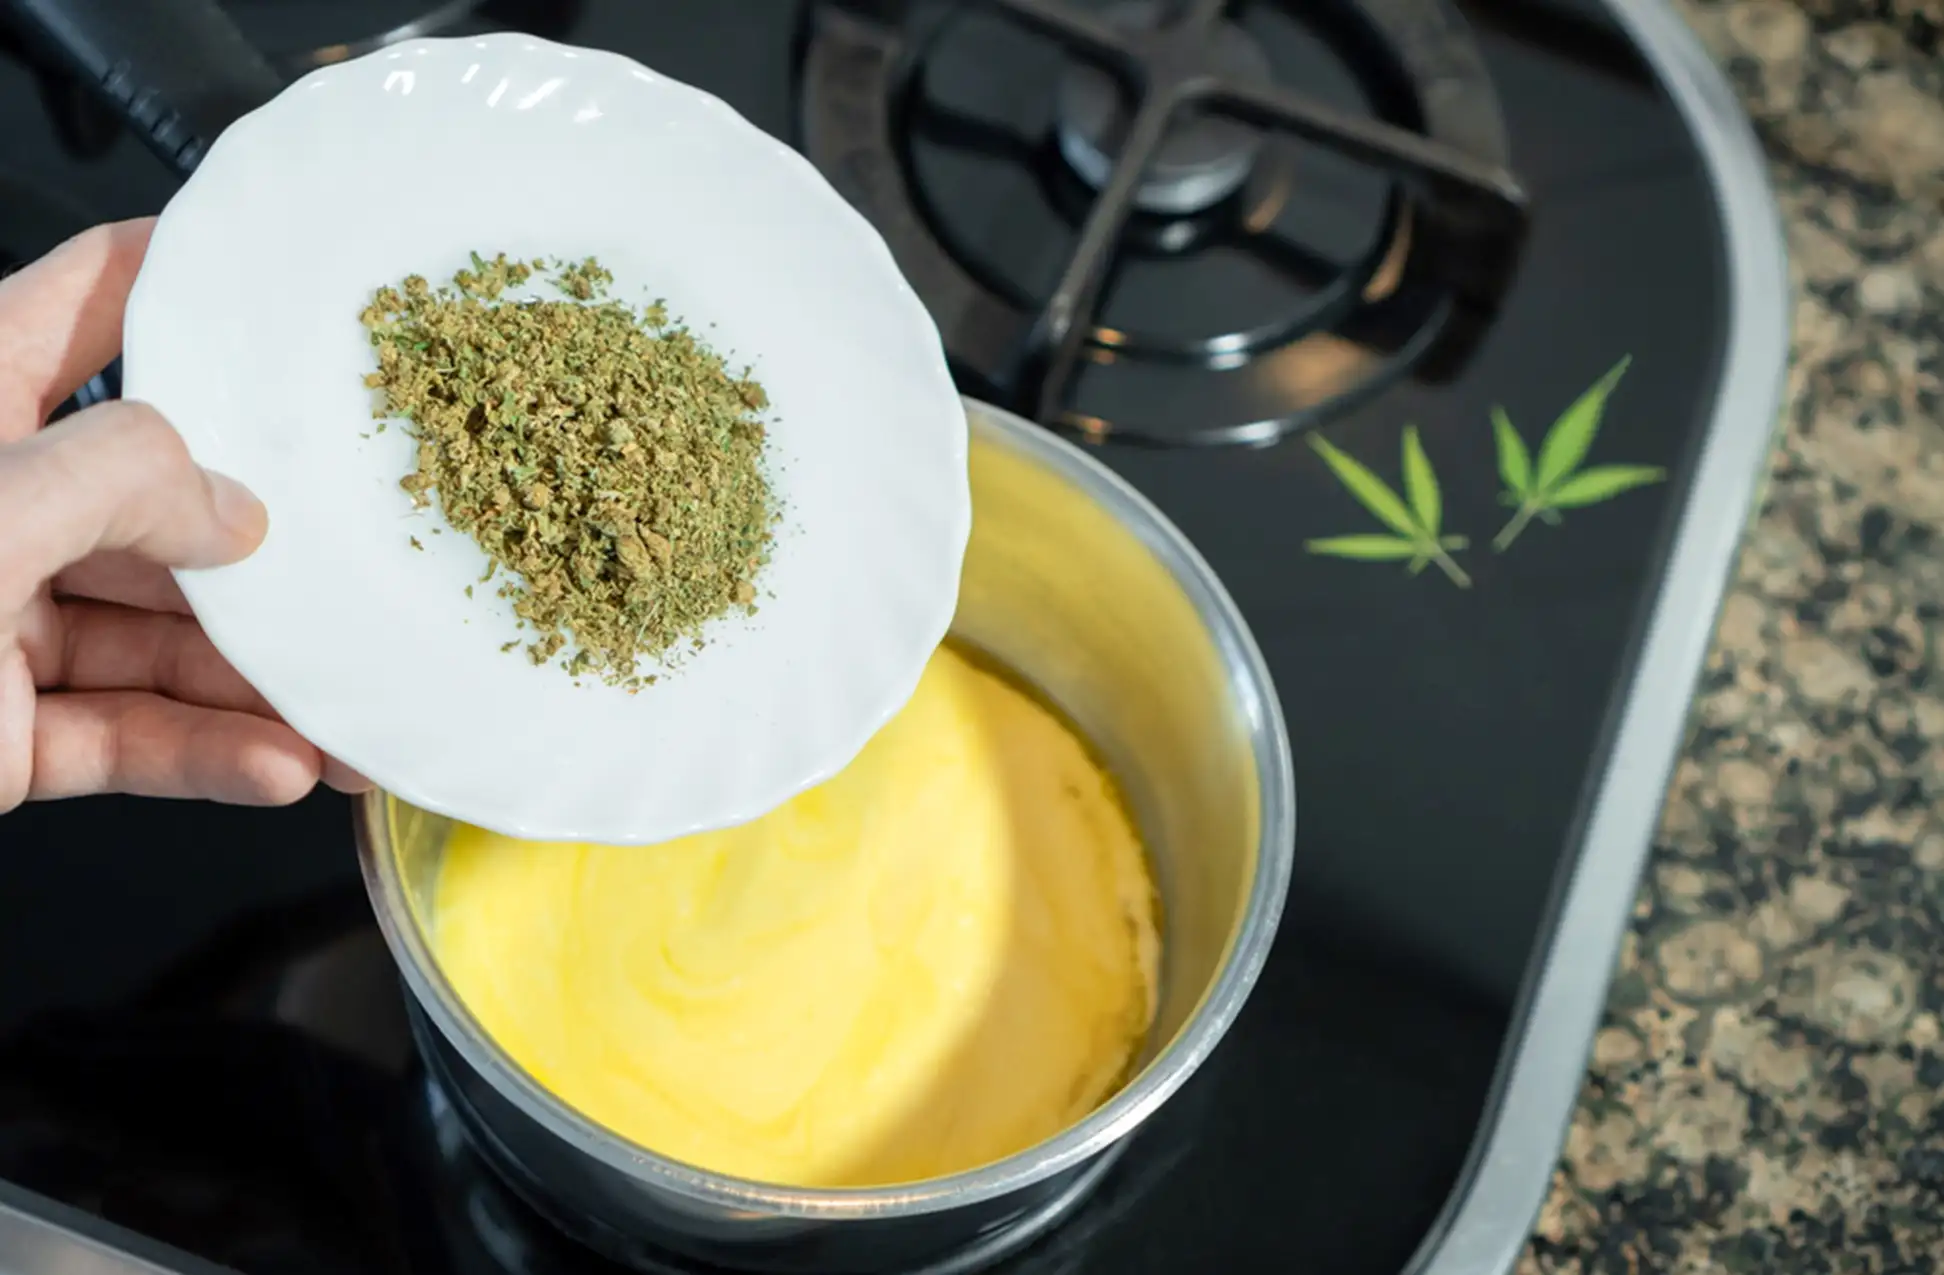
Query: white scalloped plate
x,y
243,330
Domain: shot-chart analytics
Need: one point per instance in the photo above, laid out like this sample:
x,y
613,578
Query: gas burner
x,y
1202,159
1129,226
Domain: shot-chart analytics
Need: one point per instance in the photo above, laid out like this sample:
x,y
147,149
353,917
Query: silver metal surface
x,y
42,1237
1205,157
1485,1225
1078,585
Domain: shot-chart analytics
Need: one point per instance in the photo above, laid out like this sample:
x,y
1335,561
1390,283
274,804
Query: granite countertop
x,y
1767,1089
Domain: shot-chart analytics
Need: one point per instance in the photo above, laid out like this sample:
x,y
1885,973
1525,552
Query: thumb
x,y
115,477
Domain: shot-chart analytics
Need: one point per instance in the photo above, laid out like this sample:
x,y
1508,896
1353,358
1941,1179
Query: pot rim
x,y
1242,962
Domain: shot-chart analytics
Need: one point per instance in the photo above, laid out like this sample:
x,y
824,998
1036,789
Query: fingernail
x,y
236,507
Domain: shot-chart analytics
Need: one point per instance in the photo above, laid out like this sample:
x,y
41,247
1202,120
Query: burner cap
x,y
1205,158
1360,227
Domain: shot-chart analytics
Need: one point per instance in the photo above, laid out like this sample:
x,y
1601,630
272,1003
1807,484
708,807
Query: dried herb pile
x,y
606,458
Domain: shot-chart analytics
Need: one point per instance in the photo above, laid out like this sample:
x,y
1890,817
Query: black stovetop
x,y
199,1037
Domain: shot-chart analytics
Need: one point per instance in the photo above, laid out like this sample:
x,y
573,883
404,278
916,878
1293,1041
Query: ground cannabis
x,y
606,459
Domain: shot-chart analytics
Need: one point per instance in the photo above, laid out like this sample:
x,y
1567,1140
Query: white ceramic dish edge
x,y
723,766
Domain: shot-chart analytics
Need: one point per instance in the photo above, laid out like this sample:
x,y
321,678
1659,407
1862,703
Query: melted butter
x,y
942,956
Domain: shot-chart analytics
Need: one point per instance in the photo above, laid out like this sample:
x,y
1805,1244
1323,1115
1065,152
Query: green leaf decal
x,y
1602,482
1566,443
1515,463
1365,548
1370,490
1559,482
1417,542
1421,484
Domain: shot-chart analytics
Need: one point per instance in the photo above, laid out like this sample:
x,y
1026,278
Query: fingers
x,y
110,648
122,578
16,728
91,647
341,777
61,320
148,746
116,478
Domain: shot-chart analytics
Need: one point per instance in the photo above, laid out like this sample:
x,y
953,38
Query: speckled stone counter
x,y
1767,1091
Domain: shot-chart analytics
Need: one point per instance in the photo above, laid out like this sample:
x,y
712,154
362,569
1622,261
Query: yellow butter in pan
x,y
941,956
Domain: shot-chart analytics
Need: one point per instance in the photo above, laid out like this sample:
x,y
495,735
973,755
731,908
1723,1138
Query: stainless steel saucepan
x,y
1080,586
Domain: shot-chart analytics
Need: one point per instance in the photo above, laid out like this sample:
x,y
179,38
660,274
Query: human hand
x,y
107,683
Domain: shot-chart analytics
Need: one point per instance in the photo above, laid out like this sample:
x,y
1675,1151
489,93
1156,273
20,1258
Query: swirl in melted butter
x,y
940,957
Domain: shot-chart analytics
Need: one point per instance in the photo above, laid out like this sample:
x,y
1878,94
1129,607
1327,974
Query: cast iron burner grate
x,y
1168,138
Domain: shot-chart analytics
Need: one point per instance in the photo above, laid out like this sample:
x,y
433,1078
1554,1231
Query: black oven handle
x,y
178,72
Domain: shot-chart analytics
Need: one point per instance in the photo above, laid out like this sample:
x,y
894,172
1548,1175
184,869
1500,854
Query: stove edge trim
x,y
1508,1173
